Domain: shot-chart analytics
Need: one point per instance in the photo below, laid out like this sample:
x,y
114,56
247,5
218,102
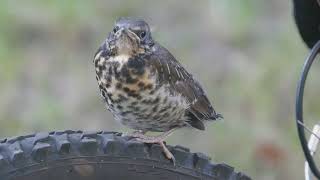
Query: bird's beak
x,y
126,33
126,41
119,32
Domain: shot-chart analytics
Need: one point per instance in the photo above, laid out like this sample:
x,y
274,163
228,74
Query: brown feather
x,y
171,72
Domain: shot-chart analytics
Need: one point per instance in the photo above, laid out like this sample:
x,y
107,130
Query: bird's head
x,y
130,36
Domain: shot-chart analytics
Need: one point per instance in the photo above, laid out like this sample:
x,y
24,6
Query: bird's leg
x,y
167,153
157,139
135,134
140,135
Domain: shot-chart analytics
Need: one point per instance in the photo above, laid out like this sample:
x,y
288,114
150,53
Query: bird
x,y
145,87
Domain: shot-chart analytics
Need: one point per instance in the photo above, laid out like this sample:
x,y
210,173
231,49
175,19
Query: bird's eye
x,y
115,29
142,34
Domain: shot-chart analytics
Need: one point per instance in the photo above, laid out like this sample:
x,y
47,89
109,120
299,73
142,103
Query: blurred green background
x,y
247,54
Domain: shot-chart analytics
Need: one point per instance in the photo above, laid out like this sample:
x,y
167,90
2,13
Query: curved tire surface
x,y
77,155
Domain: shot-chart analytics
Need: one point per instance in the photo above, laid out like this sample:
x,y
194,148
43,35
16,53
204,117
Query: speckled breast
x,y
130,89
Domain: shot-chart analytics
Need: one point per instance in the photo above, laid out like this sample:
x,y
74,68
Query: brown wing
x,y
171,71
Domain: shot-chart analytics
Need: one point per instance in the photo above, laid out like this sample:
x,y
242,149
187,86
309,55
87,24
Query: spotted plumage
x,y
144,86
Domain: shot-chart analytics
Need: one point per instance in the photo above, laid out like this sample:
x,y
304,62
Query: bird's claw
x,y
167,153
133,135
141,137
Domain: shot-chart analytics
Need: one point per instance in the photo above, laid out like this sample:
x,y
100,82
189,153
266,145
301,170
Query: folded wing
x,y
171,72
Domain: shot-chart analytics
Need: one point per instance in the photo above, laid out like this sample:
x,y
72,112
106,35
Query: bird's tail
x,y
216,116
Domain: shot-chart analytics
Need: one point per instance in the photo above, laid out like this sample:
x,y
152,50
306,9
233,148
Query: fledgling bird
x,y
145,87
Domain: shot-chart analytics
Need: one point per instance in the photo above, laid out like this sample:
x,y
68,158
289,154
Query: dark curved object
x,y
77,155
307,17
299,108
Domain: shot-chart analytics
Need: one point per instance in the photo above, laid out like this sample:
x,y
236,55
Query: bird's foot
x,y
133,134
157,140
167,153
139,136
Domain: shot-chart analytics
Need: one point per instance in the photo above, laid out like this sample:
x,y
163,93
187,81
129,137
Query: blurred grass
x,y
247,54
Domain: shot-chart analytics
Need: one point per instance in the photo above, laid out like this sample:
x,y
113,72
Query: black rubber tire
x,y
77,155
